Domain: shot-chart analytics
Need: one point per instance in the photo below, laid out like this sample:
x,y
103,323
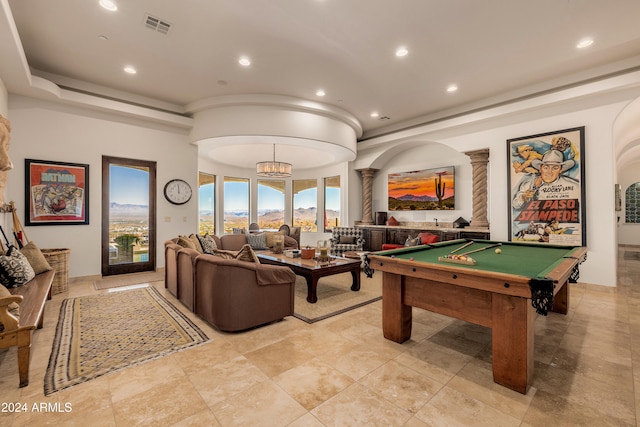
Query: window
x,y
331,203
206,203
236,203
270,204
632,204
305,201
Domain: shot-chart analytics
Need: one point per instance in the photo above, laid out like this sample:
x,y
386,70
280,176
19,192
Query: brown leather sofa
x,y
228,242
235,295
171,249
181,276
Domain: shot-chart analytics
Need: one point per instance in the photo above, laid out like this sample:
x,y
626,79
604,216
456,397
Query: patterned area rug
x,y
335,296
104,333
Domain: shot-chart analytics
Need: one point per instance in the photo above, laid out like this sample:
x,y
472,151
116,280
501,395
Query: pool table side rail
x,y
440,272
561,270
505,283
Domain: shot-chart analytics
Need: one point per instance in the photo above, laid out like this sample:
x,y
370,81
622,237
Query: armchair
x,y
345,239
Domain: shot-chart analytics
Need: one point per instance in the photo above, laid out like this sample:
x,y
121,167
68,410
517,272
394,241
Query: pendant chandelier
x,y
273,169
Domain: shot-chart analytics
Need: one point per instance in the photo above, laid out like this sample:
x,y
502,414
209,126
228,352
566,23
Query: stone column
x,y
479,161
367,195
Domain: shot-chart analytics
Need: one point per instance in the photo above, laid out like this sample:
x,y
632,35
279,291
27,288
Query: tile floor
x,y
342,372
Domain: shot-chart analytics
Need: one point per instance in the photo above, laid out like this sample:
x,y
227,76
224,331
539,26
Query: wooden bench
x,y
31,297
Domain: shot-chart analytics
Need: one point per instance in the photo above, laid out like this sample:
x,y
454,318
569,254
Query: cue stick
x,y
482,249
462,247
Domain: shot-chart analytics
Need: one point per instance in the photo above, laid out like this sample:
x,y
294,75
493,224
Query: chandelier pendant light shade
x,y
273,169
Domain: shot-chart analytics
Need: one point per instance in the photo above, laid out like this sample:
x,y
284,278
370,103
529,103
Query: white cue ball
x,y
498,251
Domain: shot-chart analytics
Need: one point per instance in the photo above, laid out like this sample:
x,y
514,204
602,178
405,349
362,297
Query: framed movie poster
x,y
546,189
56,193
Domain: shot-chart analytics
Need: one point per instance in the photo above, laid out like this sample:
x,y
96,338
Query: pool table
x,y
502,291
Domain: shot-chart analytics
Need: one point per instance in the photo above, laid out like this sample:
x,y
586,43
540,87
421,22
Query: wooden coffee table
x,y
311,271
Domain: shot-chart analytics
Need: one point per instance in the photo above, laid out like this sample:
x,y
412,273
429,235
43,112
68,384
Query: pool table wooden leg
x,y
561,300
512,340
396,316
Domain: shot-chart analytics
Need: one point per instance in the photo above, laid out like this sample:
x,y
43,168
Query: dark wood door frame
x,y
149,265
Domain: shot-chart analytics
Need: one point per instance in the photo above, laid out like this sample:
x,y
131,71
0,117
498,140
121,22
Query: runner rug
x,y
104,333
335,296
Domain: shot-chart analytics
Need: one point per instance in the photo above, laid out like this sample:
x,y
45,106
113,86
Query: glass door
x,y
128,215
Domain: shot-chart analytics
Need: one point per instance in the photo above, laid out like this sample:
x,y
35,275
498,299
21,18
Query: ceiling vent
x,y
383,118
157,24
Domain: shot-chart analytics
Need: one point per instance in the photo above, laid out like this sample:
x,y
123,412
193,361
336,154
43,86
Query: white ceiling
x,y
493,50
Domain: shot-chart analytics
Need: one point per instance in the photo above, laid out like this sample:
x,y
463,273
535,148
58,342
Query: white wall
x,y
600,267
51,131
427,156
4,99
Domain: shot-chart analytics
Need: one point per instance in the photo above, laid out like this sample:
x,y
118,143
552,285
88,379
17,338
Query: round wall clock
x,y
177,191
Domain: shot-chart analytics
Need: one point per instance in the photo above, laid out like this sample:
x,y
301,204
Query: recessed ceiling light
x,y
452,88
130,70
402,51
109,5
375,114
244,61
320,92
586,42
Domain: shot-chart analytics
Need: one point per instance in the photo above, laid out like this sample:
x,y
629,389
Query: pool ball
x,y
411,259
498,251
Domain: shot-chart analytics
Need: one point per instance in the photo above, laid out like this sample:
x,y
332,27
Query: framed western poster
x,y
546,189
56,193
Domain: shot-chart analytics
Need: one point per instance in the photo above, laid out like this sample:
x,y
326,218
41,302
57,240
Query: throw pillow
x,y
347,240
247,254
16,269
269,235
208,243
196,242
35,257
427,238
257,241
185,242
412,241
